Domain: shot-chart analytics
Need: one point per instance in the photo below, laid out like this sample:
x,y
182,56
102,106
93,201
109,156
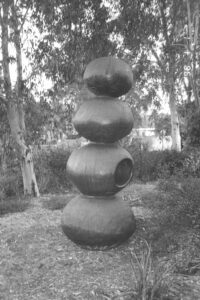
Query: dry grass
x,y
38,262
151,280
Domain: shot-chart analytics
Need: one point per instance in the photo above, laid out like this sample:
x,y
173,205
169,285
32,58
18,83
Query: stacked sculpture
x,y
97,218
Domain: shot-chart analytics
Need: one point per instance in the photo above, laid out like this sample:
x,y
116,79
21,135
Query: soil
x,y
38,262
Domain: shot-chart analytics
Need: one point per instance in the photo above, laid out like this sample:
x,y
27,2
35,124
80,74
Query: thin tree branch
x,y
5,53
189,23
196,24
174,7
164,21
17,42
24,18
158,61
34,72
157,95
1,19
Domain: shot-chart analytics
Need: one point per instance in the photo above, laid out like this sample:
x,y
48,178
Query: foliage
x,y
152,165
13,205
11,183
192,162
13,89
47,119
10,176
193,129
4,128
162,38
11,187
74,32
151,280
162,124
180,201
50,165
37,115
190,116
5,137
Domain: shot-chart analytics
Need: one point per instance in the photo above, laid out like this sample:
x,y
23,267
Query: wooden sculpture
x,y
98,218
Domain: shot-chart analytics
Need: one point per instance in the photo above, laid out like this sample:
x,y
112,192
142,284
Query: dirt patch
x,y
37,261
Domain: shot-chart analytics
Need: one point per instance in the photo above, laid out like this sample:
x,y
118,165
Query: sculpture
x,y
98,218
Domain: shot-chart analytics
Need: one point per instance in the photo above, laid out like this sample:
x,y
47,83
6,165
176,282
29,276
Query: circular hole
x,y
123,172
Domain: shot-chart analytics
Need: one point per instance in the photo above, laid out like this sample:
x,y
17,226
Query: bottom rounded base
x,y
98,223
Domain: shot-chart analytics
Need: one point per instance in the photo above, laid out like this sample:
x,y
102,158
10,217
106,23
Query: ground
x,y
37,261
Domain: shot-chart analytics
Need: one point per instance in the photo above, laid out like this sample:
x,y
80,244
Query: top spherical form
x,y
108,76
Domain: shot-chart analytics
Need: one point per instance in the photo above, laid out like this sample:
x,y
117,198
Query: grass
x,y
151,280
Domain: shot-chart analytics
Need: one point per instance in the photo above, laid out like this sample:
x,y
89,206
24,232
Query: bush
x,y
50,169
11,183
153,165
170,163
180,201
192,162
152,278
11,189
193,127
13,205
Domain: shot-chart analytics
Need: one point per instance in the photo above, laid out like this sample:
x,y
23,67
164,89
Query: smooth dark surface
x,y
94,168
123,171
108,76
98,219
103,121
98,223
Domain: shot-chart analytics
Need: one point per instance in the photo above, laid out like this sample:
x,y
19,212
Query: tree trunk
x,y
24,153
28,174
193,30
14,96
175,128
3,143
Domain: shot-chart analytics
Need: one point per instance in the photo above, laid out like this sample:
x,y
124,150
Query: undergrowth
x,y
13,205
151,279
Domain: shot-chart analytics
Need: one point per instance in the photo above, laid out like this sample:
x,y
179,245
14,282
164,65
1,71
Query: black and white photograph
x,y
99,149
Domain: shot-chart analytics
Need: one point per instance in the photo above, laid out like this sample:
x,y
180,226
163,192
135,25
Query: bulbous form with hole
x,y
103,121
108,76
100,169
98,222
98,219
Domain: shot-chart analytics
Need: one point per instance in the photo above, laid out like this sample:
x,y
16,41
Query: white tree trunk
x,y
14,96
24,153
175,127
28,174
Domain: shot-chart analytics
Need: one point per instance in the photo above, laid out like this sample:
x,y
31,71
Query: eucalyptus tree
x,y
73,33
13,94
154,26
191,35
